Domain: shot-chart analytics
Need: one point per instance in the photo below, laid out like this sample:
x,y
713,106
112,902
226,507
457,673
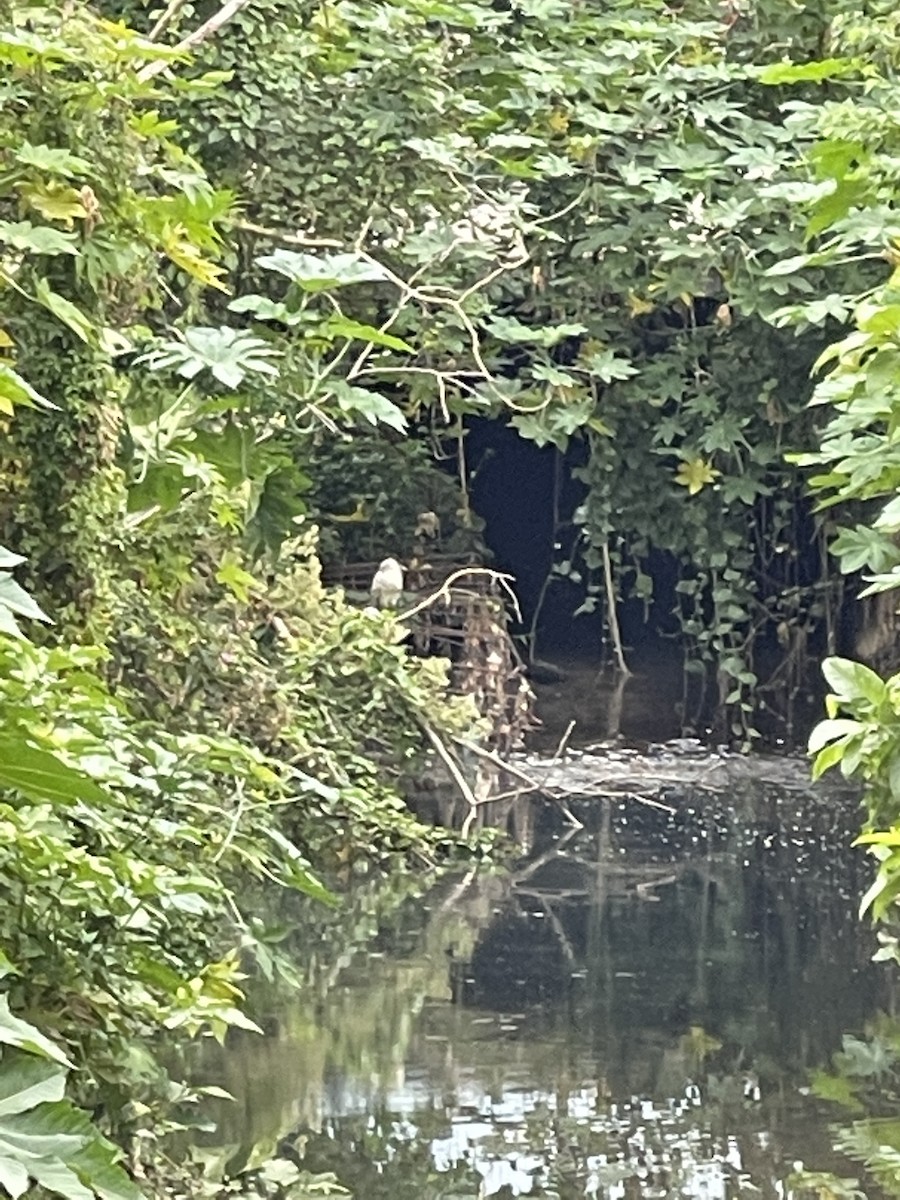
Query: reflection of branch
x,y
456,775
458,892
612,616
542,859
563,742
556,926
644,889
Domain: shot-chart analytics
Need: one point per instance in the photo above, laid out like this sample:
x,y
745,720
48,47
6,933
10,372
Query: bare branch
x,y
228,10
172,9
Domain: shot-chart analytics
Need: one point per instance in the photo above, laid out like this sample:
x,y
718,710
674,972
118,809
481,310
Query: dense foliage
x,y
583,205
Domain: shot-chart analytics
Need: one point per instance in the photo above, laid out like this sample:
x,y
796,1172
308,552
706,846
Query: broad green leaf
x,y
66,311
37,239
13,1176
607,366
40,775
52,1173
228,354
186,255
17,600
508,329
828,731
267,310
881,583
853,681
47,158
836,1088
54,201
19,1033
314,273
9,625
26,1081
9,560
16,390
829,756
97,1164
889,517
812,72
374,408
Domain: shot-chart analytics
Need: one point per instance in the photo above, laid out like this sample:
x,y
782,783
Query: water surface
x,y
633,1010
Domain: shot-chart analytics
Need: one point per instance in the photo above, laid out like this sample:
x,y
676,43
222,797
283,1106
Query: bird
x,y
387,584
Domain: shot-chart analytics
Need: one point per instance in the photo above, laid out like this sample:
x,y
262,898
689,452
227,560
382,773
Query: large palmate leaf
x,y
228,354
315,273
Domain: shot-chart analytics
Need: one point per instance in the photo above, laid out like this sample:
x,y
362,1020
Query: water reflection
x,y
628,1013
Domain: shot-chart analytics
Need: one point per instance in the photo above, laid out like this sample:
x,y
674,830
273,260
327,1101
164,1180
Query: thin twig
x,y
235,821
563,742
570,816
288,239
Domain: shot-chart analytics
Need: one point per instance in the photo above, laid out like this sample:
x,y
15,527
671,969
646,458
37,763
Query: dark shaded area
x,y
515,488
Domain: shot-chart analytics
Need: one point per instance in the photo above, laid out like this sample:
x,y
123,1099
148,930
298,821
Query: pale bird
x,y
387,584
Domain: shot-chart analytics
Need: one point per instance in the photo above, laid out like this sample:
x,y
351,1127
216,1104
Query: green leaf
x,y
508,329
607,366
16,390
828,731
19,1033
853,681
9,560
13,1176
66,311
17,600
336,327
228,354
314,273
888,519
37,239
40,775
57,162
813,72
26,1081
374,408
300,872
265,309
233,576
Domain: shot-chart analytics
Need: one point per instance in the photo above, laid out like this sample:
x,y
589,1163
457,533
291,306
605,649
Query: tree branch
x,y
228,10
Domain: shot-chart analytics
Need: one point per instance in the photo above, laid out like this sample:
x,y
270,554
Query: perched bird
x,y
387,584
